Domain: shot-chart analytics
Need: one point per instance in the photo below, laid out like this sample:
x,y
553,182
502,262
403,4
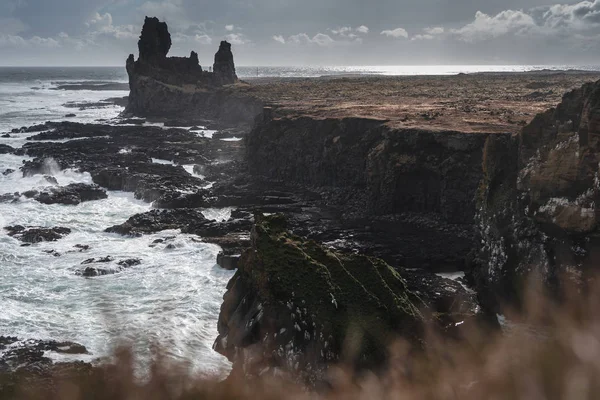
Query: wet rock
x,y
228,261
158,220
30,129
10,197
106,259
70,115
6,149
24,366
72,194
5,136
52,253
32,234
50,179
131,262
82,247
8,171
188,220
105,266
132,121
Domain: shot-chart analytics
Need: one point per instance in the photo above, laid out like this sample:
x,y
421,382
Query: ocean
x,y
173,299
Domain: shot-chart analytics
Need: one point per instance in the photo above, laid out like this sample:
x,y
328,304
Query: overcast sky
x,y
307,32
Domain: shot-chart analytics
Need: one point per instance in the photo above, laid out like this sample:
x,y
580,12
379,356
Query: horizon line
x,y
330,65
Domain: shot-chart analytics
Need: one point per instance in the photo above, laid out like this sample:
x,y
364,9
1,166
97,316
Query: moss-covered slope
x,y
295,305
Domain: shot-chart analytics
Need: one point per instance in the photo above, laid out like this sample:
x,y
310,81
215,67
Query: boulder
x,y
34,234
72,194
105,266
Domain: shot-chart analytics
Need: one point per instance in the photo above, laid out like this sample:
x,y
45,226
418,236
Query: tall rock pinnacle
x,y
224,68
155,40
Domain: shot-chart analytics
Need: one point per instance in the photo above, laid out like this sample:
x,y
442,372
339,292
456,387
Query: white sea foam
x,y
172,298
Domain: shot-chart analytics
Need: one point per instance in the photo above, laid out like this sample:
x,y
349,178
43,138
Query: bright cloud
x,y
487,27
236,39
279,38
319,39
396,33
429,33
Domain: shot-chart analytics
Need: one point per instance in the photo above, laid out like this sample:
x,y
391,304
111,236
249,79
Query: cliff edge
x,y
538,201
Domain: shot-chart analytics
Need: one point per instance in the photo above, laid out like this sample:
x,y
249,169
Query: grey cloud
x,y
328,31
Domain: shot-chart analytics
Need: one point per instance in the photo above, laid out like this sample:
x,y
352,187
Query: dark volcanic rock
x,y
10,197
415,187
105,266
6,149
119,157
224,66
292,303
155,41
177,87
158,220
24,368
32,234
131,262
538,201
72,194
188,220
228,261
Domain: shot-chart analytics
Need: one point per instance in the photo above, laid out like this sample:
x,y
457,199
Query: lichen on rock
x,y
538,201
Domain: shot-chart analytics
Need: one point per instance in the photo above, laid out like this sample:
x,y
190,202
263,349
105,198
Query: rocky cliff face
x,y
538,201
423,182
177,87
296,306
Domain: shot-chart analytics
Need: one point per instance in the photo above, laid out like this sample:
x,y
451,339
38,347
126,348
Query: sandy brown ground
x,y
489,103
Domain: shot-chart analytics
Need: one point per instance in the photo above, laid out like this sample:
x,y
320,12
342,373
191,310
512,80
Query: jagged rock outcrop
x,y
178,87
538,201
423,182
36,234
72,194
294,305
155,41
224,67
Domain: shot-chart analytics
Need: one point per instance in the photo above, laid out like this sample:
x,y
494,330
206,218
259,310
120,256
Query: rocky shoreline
x,y
339,215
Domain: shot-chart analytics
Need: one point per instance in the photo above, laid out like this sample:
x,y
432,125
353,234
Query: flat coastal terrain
x,y
491,103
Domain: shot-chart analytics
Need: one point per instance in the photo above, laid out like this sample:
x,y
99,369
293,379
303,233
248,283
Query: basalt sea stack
x,y
178,87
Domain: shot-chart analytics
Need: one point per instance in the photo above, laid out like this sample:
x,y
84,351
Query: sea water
x,y
171,300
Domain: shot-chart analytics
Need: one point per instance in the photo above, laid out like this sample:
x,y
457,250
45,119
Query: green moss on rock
x,y
327,302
